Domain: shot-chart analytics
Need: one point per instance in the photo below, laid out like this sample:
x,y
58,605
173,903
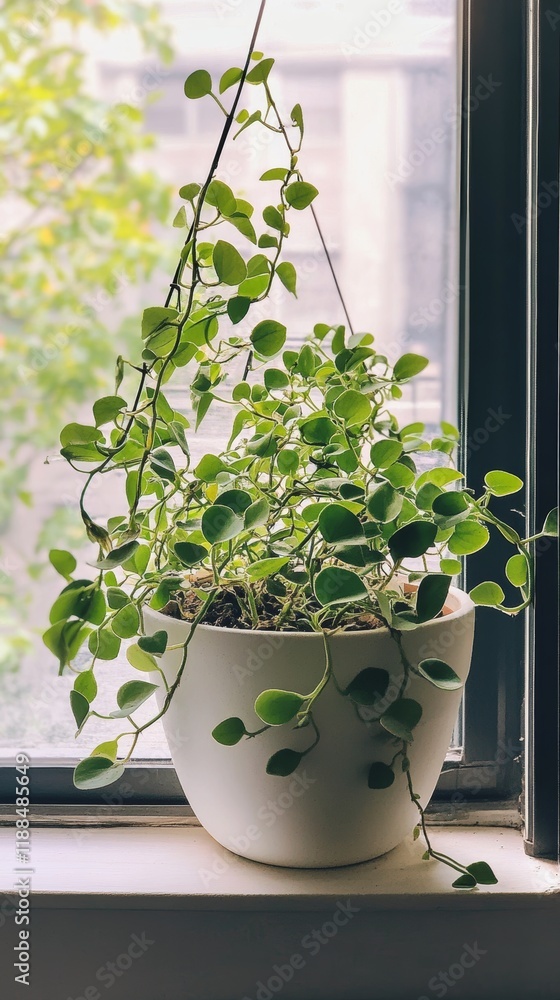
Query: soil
x,y
226,612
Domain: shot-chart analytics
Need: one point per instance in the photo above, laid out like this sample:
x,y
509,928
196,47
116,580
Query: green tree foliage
x,y
77,210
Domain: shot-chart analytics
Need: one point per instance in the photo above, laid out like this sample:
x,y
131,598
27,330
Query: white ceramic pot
x,y
324,814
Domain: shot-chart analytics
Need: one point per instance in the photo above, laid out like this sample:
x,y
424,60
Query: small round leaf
x,y
283,762
380,775
198,84
229,732
277,707
488,593
501,484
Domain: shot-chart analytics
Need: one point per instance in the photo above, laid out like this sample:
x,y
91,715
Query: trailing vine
x,y
313,516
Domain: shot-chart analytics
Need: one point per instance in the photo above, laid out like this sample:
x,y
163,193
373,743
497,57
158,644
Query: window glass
x,y
378,85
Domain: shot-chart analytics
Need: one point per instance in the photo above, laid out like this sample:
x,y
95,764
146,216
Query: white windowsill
x,y
219,923
194,872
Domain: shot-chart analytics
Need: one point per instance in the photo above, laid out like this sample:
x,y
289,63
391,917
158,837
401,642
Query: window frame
x,y
494,185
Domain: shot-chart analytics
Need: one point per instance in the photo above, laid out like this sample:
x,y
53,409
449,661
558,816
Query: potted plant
x,y
287,601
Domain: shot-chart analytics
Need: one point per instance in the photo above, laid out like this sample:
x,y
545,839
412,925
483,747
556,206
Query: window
x,y
418,179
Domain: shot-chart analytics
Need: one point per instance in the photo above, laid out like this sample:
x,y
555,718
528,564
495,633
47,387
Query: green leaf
x,y
399,475
140,659
275,378
117,556
401,718
517,570
450,566
156,643
266,240
251,288
385,504
243,226
413,540
440,674
335,585
219,524
109,749
266,567
229,732
501,484
300,194
117,598
126,622
230,78
208,468
163,465
284,762
380,775
317,430
408,366
468,537
464,882
105,645
369,685
288,276
86,685
221,197
80,599
257,514
273,218
275,174
131,695
80,707
63,562
96,772
79,434
155,318
260,72
189,191
426,496
431,596
228,263
450,504
107,408
385,453
551,524
180,220
441,476
198,84
337,524
277,707
488,593
353,408
287,461
238,307
296,115
483,873
190,554
237,500
268,338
